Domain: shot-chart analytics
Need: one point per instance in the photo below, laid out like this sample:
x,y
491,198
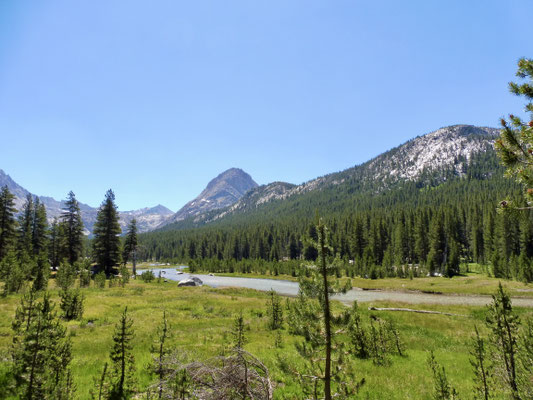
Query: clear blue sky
x,y
155,98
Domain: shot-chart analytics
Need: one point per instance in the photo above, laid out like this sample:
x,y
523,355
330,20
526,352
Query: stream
x,y
288,288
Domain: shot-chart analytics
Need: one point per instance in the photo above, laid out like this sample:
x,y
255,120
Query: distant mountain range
x,y
432,157
147,218
222,191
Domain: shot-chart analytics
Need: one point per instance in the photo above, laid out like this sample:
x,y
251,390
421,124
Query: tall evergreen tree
x,y
56,244
476,240
106,243
488,236
504,325
13,271
7,221
312,317
26,226
130,246
516,141
39,235
72,228
41,352
438,245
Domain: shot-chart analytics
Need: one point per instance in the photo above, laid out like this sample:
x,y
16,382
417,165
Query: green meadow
x,y
201,319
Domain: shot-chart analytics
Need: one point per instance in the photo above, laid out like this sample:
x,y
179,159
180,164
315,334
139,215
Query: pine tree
x,y
41,352
358,334
504,324
66,276
71,303
122,375
12,273
7,221
476,240
25,223
453,260
130,246
72,228
438,245
442,388
160,352
401,248
516,141
488,236
312,318
42,272
39,234
526,234
106,243
238,333
56,244
275,311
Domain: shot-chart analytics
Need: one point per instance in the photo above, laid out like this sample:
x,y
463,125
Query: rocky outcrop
x,y
192,281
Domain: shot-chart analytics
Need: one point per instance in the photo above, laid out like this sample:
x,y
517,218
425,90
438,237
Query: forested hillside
x,y
381,224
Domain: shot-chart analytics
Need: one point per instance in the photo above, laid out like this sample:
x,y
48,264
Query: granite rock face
x,y
223,191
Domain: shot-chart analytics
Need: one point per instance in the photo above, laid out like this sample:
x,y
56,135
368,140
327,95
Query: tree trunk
x,y
134,261
327,317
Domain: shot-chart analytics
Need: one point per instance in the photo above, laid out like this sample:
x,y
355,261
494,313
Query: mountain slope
x,y
148,218
379,214
220,192
425,160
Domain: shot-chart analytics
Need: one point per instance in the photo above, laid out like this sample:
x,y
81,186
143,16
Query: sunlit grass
x,y
201,319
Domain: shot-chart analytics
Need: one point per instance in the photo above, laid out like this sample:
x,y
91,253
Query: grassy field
x,y
201,319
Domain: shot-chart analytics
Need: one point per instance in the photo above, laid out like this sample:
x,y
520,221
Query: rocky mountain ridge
x,y
436,154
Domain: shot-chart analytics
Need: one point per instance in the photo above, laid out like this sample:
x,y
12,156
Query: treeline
x,y
405,230
30,247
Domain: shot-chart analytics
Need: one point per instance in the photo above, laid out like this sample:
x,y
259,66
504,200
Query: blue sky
x,y
155,98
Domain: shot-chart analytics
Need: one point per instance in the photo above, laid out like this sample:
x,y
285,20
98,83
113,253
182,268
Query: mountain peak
x,y
159,209
222,191
234,179
433,151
